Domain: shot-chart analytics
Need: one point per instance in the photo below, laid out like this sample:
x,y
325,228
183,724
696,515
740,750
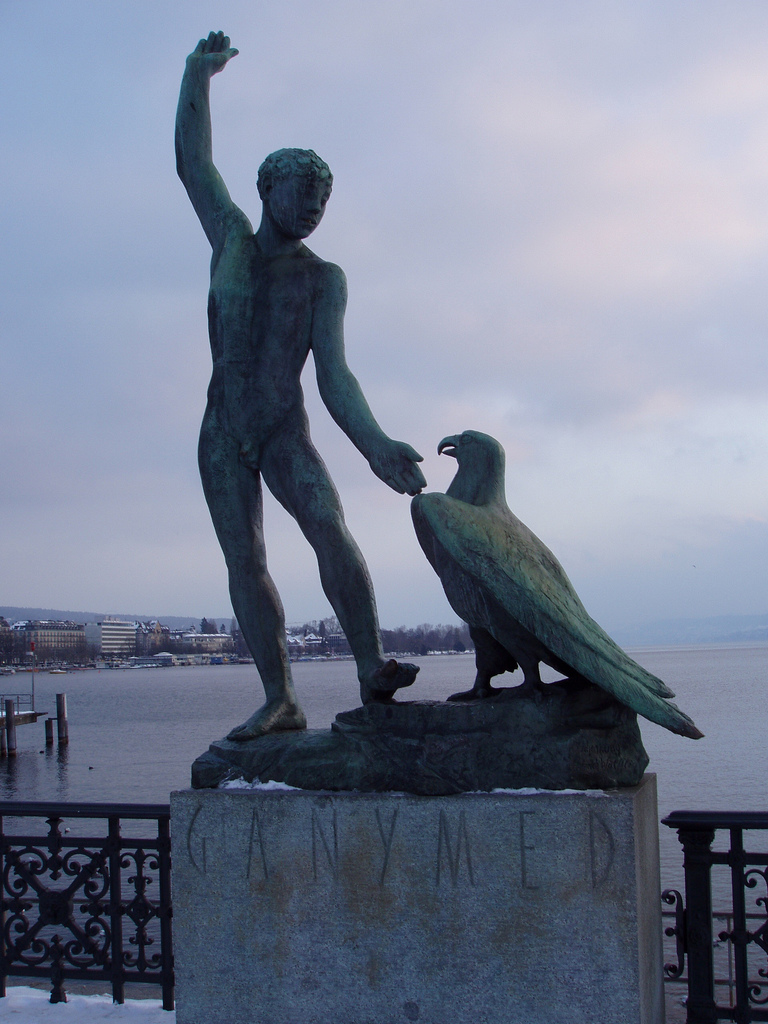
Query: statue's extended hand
x,y
212,54
395,463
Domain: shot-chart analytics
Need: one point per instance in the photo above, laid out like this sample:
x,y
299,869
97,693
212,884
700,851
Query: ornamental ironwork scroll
x,y
744,940
80,906
674,971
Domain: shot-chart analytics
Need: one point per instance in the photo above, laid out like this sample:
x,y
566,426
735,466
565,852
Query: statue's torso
x,y
259,320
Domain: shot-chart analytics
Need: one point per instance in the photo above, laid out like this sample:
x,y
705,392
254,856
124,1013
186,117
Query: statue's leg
x,y
233,493
297,476
532,685
491,659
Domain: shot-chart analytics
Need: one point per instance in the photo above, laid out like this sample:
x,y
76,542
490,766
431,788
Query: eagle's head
x,y
480,478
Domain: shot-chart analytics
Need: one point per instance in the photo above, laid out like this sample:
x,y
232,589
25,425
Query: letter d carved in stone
x,y
602,849
196,848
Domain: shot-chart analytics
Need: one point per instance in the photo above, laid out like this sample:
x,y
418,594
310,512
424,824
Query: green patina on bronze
x,y
574,737
521,607
271,302
579,732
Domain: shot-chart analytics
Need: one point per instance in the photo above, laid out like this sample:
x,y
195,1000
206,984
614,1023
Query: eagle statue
x,y
520,606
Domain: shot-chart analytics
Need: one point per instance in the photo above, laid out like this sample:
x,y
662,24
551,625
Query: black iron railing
x,y
744,940
79,906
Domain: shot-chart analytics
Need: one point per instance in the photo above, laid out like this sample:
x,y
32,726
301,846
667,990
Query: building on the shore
x,y
162,660
53,640
7,643
207,643
295,644
152,637
337,643
311,644
111,638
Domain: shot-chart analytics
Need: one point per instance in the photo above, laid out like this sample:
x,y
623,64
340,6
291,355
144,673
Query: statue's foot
x,y
387,678
277,716
476,693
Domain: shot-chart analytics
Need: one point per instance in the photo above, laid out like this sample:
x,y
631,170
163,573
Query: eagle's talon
x,y
476,693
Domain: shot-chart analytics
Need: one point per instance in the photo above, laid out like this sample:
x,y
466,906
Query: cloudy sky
x,y
553,217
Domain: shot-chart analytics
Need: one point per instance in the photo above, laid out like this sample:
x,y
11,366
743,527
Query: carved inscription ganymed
x,y
253,851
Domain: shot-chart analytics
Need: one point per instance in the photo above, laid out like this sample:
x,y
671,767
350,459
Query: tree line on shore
x,y
413,640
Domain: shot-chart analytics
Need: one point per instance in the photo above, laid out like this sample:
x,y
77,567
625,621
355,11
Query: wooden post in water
x,y
34,659
10,726
49,732
3,744
62,725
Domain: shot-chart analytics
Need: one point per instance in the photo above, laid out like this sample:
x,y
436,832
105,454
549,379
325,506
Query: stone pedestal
x,y
300,907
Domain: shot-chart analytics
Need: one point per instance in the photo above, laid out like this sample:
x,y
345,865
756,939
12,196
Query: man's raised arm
x,y
194,151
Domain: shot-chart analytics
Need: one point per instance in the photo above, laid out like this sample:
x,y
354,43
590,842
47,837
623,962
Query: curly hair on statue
x,y
286,163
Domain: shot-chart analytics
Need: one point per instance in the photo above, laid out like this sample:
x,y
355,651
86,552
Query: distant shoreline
x,y
720,630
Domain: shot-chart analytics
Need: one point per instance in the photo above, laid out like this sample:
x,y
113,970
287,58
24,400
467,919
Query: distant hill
x,y
679,632
13,614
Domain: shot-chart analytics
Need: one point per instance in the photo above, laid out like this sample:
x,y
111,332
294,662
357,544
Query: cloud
x,y
553,222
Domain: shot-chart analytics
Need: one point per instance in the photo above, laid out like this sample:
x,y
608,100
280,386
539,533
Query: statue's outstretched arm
x,y
394,462
194,150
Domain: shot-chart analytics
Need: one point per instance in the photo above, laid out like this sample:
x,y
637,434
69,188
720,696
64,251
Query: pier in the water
x,y
12,715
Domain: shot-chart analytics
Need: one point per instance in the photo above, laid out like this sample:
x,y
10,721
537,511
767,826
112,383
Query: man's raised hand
x,y
212,54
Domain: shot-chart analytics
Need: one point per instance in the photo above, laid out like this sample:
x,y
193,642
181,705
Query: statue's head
x,y
295,185
292,163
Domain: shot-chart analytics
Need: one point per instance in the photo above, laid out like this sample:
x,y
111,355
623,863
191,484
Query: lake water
x,y
134,734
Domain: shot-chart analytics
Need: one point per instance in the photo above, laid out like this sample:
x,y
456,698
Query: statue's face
x,y
297,204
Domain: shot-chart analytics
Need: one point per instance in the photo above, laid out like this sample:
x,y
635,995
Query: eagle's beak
x,y
448,446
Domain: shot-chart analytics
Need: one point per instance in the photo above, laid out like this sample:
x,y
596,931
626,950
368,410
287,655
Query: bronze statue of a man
x,y
272,300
